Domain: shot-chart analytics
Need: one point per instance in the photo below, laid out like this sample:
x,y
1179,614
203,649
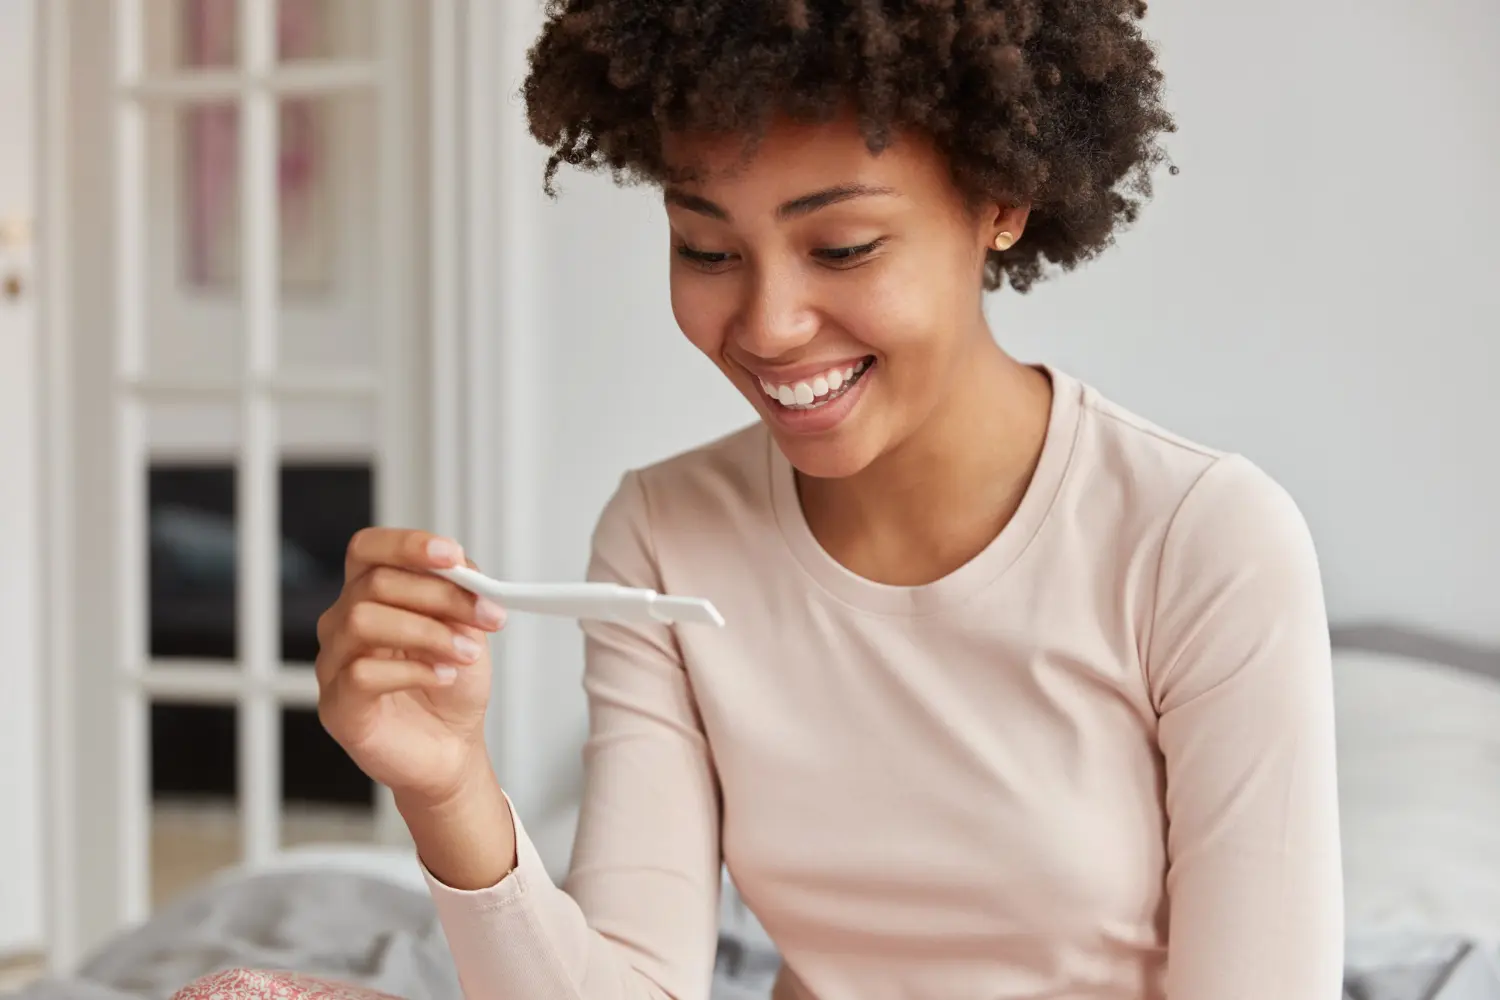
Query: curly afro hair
x,y
1055,103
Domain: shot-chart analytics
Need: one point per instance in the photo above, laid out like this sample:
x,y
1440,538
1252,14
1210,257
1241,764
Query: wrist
x,y
475,780
465,837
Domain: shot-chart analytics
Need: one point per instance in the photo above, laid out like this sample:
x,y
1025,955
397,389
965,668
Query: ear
x,y
1006,225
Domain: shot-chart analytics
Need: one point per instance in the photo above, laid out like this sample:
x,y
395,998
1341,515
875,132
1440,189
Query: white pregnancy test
x,y
599,601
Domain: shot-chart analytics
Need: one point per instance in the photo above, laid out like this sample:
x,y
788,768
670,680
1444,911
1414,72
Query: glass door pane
x,y
311,30
191,527
329,215
194,315
324,501
191,35
325,797
186,35
195,817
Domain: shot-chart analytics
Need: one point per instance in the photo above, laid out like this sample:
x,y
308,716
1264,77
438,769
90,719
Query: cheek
x,y
701,311
905,312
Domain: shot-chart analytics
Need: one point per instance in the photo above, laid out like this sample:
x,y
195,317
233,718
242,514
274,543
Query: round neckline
x,y
979,572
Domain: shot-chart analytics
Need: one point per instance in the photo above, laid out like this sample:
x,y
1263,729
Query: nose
x,y
776,316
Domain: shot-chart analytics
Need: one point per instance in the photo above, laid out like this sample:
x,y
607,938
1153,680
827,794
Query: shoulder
x,y
731,468
1238,590
712,481
1234,512
1123,444
1202,500
1198,537
1238,602
1236,548
716,490
1213,506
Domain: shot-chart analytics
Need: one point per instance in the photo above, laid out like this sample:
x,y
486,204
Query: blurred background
x,y
271,270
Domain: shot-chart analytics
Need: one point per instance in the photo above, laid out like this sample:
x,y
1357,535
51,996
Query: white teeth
x,y
816,391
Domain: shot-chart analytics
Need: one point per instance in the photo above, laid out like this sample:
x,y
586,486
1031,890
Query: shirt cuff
x,y
529,874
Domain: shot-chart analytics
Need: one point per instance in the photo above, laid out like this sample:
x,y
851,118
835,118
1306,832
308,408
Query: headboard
x,y
1418,644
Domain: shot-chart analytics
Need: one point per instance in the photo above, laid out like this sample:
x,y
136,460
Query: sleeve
x,y
1240,670
637,916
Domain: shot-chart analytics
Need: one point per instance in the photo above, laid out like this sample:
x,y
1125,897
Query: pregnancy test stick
x,y
597,601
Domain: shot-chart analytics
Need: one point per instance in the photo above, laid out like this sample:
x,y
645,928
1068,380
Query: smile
x,y
810,394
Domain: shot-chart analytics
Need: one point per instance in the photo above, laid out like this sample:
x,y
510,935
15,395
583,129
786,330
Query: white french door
x,y
238,259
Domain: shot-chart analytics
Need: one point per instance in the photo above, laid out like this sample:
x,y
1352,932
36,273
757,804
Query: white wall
x,y
20,782
1316,289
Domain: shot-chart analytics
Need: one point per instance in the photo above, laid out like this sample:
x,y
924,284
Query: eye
x,y
707,260
848,256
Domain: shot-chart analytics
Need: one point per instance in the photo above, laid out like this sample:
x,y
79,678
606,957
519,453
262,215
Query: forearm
x,y
513,933
467,841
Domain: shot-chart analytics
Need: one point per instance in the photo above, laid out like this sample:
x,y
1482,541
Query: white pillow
x,y
1419,794
396,865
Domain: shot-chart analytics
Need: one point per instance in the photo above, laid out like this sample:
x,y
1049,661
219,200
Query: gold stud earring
x,y
1004,241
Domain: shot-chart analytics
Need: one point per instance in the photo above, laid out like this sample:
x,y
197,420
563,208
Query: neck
x,y
936,500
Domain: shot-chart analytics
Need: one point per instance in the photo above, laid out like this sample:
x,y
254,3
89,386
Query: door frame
x,y
498,248
486,316
483,309
21,928
55,482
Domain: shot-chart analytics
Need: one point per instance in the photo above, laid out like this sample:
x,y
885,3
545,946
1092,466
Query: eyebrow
x,y
804,205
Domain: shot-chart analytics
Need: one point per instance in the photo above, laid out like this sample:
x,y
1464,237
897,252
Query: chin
x,y
830,459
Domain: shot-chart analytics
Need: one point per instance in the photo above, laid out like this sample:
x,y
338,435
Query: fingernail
x,y
440,550
489,614
467,649
445,674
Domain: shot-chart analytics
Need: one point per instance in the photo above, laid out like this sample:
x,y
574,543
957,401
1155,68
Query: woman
x,y
1020,695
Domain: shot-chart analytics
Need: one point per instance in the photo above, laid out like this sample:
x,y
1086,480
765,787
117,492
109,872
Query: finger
x,y
371,677
409,549
368,625
428,595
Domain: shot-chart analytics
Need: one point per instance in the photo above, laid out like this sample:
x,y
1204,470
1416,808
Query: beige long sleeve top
x,y
1096,761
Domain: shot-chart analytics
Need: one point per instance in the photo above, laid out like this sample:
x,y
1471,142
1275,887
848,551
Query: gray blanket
x,y
341,925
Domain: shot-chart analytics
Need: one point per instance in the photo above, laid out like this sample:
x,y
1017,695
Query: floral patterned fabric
x,y
253,984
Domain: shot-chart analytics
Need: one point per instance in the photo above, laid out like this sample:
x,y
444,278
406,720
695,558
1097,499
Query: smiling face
x,y
839,290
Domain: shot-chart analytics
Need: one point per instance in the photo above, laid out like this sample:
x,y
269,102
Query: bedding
x,y
248,984
345,926
354,917
1419,783
1421,967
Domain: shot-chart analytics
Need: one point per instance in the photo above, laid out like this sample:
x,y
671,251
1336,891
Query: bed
x,y
1419,799
1419,760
